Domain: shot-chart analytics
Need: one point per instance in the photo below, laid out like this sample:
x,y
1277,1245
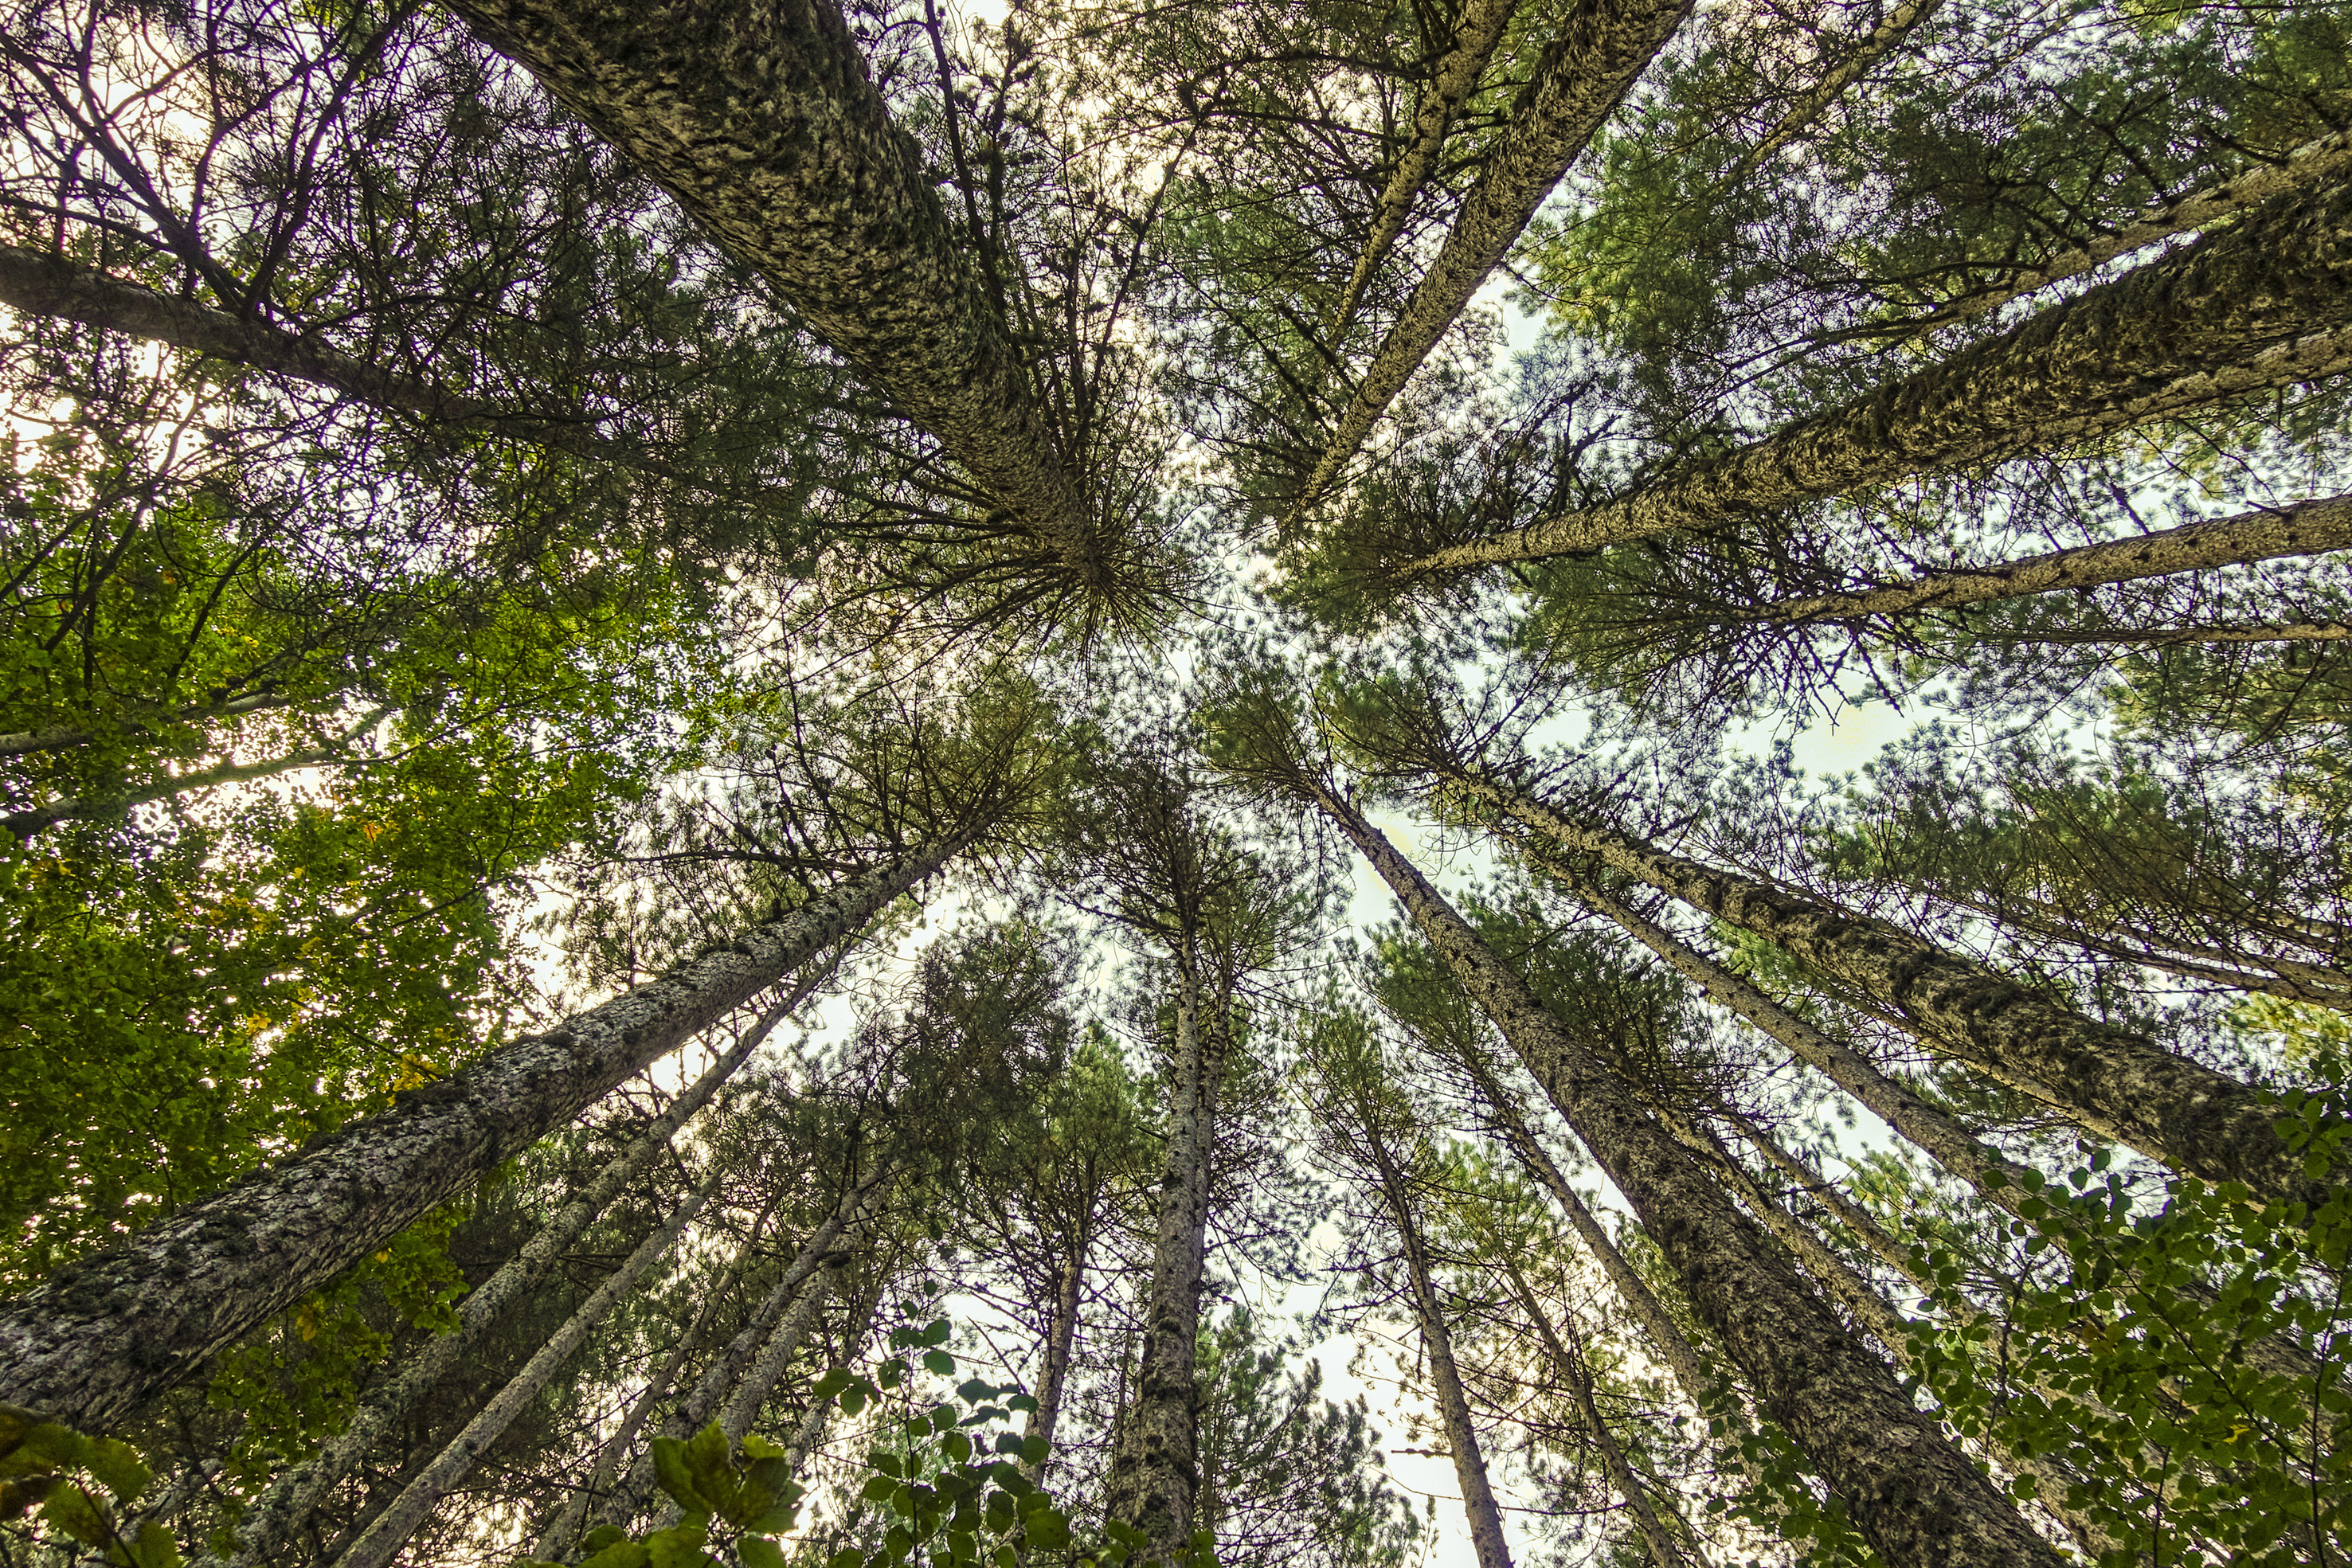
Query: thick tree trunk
x,y
2265,304
1455,79
1061,1339
1486,1520
103,1336
759,117
280,1511
2305,528
1665,1550
383,1539
1600,46
1155,1464
1908,1489
2116,1082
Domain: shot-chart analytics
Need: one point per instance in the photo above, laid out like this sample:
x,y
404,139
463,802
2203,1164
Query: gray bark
x,y
39,284
64,738
291,1497
2113,1081
1913,1495
1665,1336
760,118
1061,1340
2265,304
2328,157
1577,1376
102,1336
1455,79
2173,636
2268,533
1155,1464
1486,1520
383,1539
1599,49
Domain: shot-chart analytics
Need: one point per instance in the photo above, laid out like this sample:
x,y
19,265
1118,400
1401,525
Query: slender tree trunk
x,y
2115,1081
556,1542
1909,1490
2263,304
1577,1378
291,1497
23,825
1898,25
744,1405
65,737
104,1335
2176,636
1599,49
728,1368
1155,1464
1455,79
2326,158
1486,1520
811,1431
1665,1336
2268,533
1061,1339
760,119
383,1539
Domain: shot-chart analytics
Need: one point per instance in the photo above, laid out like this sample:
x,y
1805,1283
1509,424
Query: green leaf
x,y
118,1468
676,1472
70,1508
679,1546
939,1361
759,1552
624,1553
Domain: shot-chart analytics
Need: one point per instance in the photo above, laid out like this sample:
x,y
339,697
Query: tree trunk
x,y
2262,305
1155,1464
1665,1335
2115,1081
759,1379
728,1368
101,1337
1910,1493
291,1497
1600,46
1577,1376
385,1538
1455,79
1486,1520
759,117
1061,1338
1884,38
2305,528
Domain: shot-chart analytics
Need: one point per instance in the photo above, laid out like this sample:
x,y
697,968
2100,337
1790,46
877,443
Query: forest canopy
x,y
798,782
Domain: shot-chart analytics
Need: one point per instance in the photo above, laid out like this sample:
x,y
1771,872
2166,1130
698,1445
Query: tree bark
x,y
2115,1081
1486,1520
291,1497
1884,39
759,117
1155,1465
383,1539
1061,1339
2268,533
1455,79
101,1337
1574,1374
1601,45
2264,304
1909,1490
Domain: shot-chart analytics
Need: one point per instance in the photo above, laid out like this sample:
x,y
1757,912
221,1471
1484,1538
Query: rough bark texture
x,y
2307,528
1455,79
1910,1493
104,1335
1484,1519
383,1539
757,116
1665,1336
2266,304
1155,1471
1600,46
1574,1375
2113,1081
280,1511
